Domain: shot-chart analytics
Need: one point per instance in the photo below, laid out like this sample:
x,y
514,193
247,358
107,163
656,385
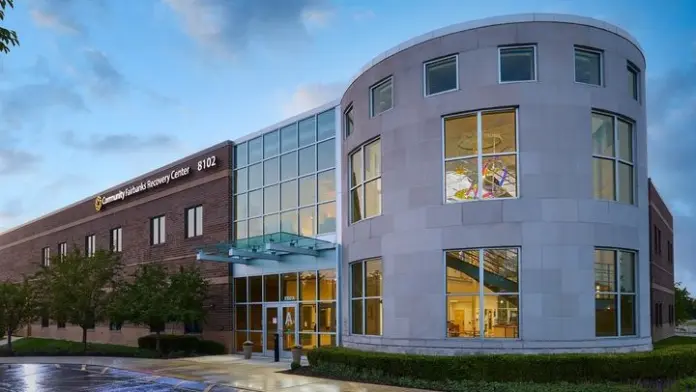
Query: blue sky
x,y
101,91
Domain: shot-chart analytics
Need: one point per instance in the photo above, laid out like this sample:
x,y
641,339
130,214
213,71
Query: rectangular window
x,y
194,221
441,75
381,97
633,80
517,63
483,293
61,324
117,239
193,327
365,181
90,245
46,256
588,66
366,297
158,231
115,326
481,156
670,252
615,292
612,151
348,121
63,250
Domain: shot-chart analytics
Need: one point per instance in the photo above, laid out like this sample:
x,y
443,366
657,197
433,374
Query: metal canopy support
x,y
202,256
273,247
249,254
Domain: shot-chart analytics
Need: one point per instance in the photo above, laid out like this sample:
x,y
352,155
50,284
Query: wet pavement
x,y
88,378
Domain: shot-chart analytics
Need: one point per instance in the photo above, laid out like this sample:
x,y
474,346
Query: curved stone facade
x,y
555,220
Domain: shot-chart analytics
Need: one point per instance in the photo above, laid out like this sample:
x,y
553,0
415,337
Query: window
x,y
612,149
481,156
46,257
348,121
117,239
670,252
381,97
517,63
60,323
63,250
115,326
588,66
656,312
158,231
194,222
90,245
366,181
615,292
483,293
193,327
633,80
441,75
44,321
366,297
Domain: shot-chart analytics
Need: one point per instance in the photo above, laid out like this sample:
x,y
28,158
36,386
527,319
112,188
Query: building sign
x,y
157,182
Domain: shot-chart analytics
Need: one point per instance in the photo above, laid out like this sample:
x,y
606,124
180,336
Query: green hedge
x,y
181,343
667,364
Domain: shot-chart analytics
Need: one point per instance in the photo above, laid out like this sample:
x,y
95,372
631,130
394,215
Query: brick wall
x,y
21,248
661,266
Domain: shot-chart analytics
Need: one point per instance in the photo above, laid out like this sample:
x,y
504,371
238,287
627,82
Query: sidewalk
x,y
229,370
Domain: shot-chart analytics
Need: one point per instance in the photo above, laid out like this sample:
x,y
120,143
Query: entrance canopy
x,y
264,247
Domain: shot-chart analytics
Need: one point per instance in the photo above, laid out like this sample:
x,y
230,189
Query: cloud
x,y
230,26
118,143
60,15
14,161
10,210
107,81
55,21
672,142
309,96
362,15
23,104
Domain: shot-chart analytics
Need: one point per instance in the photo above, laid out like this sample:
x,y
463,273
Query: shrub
x,y
664,364
169,343
210,347
295,365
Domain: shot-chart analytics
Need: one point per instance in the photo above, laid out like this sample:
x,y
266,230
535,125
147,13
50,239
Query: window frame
x,y
617,293
348,118
363,297
381,83
161,234
197,231
481,294
90,245
116,235
635,71
579,48
46,256
363,180
62,250
535,69
454,56
479,153
616,160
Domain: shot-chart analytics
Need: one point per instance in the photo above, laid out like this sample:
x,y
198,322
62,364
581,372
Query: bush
x,y
53,347
295,365
186,344
667,364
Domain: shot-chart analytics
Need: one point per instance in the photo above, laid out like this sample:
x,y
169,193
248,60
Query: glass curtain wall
x,y
285,180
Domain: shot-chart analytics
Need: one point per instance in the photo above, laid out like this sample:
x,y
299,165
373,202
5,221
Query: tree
x,y
18,307
7,37
684,304
155,297
78,289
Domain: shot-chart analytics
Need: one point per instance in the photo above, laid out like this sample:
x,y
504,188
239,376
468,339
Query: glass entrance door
x,y
280,319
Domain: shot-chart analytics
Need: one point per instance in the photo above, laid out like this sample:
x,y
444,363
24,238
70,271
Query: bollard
x,y
276,351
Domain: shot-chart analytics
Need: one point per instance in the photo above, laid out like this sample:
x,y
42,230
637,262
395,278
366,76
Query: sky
x,y
101,91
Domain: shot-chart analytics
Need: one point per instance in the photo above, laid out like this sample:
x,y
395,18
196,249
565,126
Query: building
x,y
480,188
661,266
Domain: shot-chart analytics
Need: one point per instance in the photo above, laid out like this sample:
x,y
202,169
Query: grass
x,y
675,342
54,347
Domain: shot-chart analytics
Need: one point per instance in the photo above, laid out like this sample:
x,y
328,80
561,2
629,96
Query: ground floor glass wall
x,y
301,306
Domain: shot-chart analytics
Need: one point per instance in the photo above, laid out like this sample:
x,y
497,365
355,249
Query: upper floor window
x,y
612,149
366,181
158,232
63,250
481,155
633,80
194,221
670,252
381,97
588,66
615,292
90,245
483,293
348,121
117,239
366,297
517,63
46,256
441,75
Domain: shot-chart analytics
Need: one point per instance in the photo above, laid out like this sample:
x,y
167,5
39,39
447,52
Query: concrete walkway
x,y
225,370
3,341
